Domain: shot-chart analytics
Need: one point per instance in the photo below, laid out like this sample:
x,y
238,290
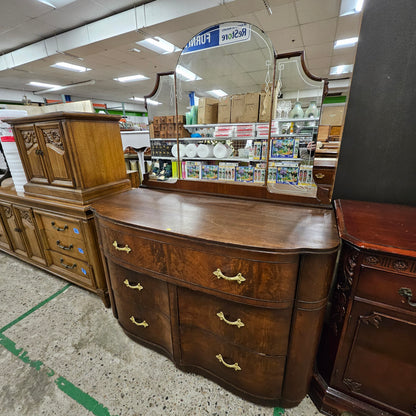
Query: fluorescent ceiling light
x,y
340,69
134,50
56,3
159,45
345,43
151,102
217,93
186,74
70,67
44,85
351,7
131,78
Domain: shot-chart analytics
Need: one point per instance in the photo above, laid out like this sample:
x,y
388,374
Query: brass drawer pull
x,y
58,228
237,323
126,248
407,294
138,286
143,324
238,278
39,152
58,243
235,366
320,175
67,266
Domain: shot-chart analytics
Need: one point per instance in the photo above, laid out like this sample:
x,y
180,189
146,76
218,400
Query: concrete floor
x,y
63,353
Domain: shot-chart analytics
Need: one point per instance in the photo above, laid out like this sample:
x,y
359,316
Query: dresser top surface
x,y
246,223
388,228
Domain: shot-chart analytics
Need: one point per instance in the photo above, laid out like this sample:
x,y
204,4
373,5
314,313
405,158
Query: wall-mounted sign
x,y
219,35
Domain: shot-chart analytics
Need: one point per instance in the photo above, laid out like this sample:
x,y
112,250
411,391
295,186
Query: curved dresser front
x,y
232,289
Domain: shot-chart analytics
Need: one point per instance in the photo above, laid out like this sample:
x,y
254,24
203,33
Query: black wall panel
x,y
378,152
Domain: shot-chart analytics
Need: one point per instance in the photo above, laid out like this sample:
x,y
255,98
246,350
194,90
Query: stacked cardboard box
x,y
207,110
164,127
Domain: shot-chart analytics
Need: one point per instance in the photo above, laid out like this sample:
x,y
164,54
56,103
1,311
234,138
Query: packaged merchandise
x,y
244,173
192,169
209,172
287,172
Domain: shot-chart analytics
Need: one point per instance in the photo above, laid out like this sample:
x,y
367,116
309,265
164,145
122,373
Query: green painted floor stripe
x,y
39,305
278,411
64,385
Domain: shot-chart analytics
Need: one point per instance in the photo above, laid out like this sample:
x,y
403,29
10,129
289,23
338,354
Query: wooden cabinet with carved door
x,y
72,157
366,362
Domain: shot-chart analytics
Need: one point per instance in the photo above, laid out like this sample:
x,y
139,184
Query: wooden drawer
x,y
75,269
385,287
261,330
262,280
324,175
138,291
66,245
134,250
57,227
148,324
260,375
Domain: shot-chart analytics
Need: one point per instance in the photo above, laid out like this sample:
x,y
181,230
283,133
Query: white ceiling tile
x,y
318,32
285,39
282,17
345,59
314,10
321,50
239,7
348,26
318,63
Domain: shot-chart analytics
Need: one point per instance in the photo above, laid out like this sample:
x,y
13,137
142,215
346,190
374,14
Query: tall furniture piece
x,y
366,360
70,160
219,274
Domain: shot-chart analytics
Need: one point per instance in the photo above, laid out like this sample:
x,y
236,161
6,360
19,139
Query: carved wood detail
x,y
26,215
53,137
391,264
413,411
8,211
29,138
373,319
354,386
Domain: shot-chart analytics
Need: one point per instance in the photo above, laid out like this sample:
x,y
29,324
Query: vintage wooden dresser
x,y
366,359
230,288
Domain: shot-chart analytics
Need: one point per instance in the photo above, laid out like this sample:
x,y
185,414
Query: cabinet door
x,y
31,154
24,217
14,229
381,364
4,241
55,154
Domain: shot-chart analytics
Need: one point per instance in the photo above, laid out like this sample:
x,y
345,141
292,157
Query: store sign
x,y
219,35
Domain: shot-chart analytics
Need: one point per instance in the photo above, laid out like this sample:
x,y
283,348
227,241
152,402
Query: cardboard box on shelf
x,y
181,119
207,110
251,107
224,109
171,129
170,119
183,132
156,120
237,108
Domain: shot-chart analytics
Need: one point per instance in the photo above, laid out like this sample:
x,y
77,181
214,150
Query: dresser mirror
x,y
235,118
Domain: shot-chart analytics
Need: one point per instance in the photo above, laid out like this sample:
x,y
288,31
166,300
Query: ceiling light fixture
x,y
43,85
340,69
350,7
159,45
54,88
134,50
345,43
186,74
70,67
217,93
131,78
151,102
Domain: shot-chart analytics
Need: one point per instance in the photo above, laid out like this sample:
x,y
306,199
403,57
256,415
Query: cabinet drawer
x,y
67,246
385,287
145,323
74,268
132,249
259,329
260,374
324,175
57,227
138,291
262,280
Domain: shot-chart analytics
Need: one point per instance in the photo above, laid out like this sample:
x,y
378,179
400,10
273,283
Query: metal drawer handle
x,y
67,266
126,248
238,278
58,243
319,175
138,286
407,294
234,366
39,152
237,323
143,324
58,228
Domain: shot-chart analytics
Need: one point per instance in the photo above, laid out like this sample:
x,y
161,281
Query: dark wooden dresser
x,y
367,362
233,289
